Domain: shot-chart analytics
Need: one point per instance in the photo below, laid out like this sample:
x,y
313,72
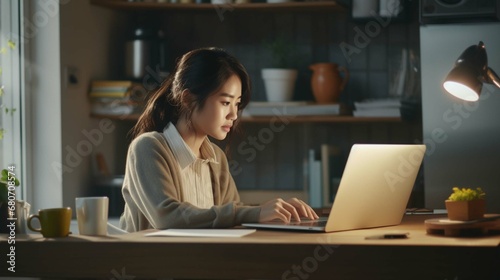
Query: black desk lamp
x,y
471,70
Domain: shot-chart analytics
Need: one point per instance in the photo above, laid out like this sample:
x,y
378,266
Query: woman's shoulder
x,y
148,140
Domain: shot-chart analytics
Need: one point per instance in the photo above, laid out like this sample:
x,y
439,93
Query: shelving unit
x,y
318,6
271,153
299,119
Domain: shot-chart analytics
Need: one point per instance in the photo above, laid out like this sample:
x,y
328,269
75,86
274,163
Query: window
x,y
11,90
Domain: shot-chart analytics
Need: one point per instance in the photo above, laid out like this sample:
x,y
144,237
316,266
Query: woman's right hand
x,y
285,210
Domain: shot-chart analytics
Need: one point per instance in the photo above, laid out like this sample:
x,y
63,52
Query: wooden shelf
x,y
324,119
131,117
299,119
317,6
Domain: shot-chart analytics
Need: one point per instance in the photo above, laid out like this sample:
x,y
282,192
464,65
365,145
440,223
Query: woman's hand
x,y
286,210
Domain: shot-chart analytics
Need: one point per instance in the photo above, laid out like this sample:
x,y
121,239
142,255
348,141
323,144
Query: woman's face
x,y
216,118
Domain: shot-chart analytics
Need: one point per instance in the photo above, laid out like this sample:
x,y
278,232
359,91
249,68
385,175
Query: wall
x,y
88,43
317,37
462,137
92,40
44,106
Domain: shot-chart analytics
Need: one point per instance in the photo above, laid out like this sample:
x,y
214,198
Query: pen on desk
x,y
395,235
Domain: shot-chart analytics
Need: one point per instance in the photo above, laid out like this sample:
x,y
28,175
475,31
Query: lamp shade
x,y
465,80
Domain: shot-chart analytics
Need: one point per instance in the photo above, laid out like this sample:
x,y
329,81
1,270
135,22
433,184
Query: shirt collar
x,y
181,150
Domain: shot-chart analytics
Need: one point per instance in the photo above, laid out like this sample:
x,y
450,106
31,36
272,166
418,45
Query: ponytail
x,y
159,111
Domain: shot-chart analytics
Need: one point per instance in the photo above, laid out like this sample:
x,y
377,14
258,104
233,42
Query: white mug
x,y
92,215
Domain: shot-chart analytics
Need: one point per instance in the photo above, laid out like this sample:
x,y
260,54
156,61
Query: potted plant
x,y
466,204
279,80
4,186
4,195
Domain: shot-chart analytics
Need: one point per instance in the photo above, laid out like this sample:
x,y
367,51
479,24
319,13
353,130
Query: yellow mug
x,y
54,222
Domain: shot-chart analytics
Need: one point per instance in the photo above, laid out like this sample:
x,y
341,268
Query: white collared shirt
x,y
195,172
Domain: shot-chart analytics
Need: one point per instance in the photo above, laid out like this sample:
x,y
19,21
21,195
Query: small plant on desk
x,y
5,181
466,204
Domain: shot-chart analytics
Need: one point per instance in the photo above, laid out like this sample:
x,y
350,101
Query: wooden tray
x,y
444,226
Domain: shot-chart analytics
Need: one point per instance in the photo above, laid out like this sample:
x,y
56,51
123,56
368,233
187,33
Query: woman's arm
x,y
153,184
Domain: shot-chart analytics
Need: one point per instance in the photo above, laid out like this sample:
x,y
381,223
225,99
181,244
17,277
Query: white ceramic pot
x,y
279,83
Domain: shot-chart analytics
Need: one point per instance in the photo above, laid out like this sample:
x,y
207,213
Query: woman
x,y
175,177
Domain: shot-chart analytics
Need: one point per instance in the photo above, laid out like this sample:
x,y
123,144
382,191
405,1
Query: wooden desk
x,y
261,255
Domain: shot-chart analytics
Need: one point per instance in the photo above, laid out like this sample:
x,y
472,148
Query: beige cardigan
x,y
153,195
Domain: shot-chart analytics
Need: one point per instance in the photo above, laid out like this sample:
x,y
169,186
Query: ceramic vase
x,y
326,81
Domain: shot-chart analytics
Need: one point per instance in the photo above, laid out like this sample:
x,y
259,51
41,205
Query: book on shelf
x,y
324,172
112,84
378,112
117,90
314,181
300,108
115,108
385,107
378,103
109,94
110,97
331,172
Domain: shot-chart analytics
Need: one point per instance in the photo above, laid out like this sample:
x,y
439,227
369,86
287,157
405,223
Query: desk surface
x,y
264,254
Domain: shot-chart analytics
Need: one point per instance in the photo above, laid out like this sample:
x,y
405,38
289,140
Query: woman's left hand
x,y
303,209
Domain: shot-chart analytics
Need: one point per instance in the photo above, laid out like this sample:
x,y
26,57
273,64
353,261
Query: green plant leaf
x,y
282,51
11,44
466,194
3,50
2,131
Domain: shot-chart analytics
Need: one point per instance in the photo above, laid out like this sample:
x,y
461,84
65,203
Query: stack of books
x,y
324,171
116,97
298,108
378,108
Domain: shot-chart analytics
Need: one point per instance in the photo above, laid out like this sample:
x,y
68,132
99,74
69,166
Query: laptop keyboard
x,y
311,223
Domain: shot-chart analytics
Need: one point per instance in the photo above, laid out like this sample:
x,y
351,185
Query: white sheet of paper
x,y
202,232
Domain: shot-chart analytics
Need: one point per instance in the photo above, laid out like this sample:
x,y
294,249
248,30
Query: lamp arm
x,y
493,77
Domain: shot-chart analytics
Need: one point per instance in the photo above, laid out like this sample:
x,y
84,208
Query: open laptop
x,y
373,192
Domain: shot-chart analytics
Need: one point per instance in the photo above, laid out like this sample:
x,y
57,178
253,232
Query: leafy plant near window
x,y
10,45
6,180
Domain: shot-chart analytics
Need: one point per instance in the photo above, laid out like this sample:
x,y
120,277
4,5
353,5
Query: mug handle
x,y
29,223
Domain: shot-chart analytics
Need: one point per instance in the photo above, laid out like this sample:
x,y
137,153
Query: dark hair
x,y
202,72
